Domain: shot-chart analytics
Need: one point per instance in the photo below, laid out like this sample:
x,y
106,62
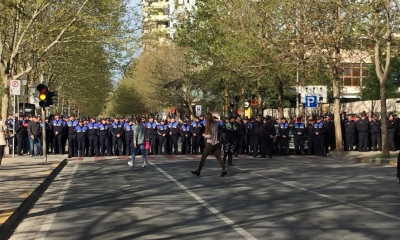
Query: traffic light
x,y
43,90
46,98
52,98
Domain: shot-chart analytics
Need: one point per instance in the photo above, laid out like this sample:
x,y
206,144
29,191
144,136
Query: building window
x,y
353,74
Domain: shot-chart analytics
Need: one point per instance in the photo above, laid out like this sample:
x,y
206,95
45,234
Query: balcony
x,y
160,18
159,5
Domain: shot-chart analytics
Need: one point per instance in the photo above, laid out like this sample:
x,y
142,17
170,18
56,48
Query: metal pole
x,y
14,122
44,148
297,92
23,106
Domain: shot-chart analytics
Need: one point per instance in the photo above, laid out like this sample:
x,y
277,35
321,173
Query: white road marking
x,y
224,218
324,195
56,206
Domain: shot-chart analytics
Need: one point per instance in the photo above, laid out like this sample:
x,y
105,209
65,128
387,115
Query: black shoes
x,y
224,173
197,172
231,164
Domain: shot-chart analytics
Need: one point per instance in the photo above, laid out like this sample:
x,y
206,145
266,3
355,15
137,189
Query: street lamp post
x,y
24,83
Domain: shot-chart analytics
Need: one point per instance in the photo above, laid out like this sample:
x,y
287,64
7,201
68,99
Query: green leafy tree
x,y
371,86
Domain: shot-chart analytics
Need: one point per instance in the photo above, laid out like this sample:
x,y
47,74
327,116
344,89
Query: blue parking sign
x,y
311,101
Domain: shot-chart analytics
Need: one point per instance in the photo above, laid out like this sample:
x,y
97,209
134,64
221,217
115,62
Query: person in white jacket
x,y
3,130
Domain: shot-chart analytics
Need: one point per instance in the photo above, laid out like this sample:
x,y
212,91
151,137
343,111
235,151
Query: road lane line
x,y
224,218
324,195
48,221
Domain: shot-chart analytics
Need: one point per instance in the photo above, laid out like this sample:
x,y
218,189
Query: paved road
x,y
281,198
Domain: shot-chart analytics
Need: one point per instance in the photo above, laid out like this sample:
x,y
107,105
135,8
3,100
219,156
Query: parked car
x,y
291,139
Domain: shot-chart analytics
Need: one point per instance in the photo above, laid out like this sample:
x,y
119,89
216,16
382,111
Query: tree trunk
x,y
241,102
6,95
382,90
227,103
336,110
279,103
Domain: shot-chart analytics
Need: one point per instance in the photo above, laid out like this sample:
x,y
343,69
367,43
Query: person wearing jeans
x,y
34,133
138,142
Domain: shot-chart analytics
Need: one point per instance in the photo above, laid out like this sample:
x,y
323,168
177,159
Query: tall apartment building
x,y
161,17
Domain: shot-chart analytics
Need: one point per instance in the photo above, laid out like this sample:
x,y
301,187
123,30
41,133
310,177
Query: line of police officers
x,y
260,136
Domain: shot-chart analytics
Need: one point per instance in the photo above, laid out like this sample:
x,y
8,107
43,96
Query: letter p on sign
x,y
311,101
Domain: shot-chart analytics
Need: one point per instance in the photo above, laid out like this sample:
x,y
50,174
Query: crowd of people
x,y
259,136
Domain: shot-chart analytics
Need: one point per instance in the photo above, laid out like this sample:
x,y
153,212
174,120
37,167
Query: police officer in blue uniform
x,y
319,137
116,131
58,130
128,130
283,129
162,130
151,134
104,135
173,128
93,137
81,131
299,131
196,130
72,140
185,137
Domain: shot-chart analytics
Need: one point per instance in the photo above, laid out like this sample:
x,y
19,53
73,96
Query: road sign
x,y
246,104
311,101
15,87
198,110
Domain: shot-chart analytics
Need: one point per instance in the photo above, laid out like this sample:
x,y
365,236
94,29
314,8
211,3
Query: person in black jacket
x,y
363,131
258,133
21,130
299,131
269,133
230,135
375,129
241,135
329,134
350,130
310,136
391,128
283,129
319,137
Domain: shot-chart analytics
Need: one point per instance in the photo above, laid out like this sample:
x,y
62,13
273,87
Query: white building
x,y
161,18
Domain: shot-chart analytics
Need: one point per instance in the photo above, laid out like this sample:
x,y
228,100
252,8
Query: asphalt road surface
x,y
281,198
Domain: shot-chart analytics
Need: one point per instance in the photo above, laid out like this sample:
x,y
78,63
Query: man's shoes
x,y
224,173
144,165
130,164
231,164
197,172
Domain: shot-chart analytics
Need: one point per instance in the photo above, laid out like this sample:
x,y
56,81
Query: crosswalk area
x,y
138,157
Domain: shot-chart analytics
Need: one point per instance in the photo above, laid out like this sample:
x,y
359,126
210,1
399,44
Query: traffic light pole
x,y
44,148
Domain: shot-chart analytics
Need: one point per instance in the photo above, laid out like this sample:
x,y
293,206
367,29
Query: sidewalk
x,y
366,157
22,181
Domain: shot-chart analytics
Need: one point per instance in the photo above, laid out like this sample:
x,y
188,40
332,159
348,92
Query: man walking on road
x,y
34,133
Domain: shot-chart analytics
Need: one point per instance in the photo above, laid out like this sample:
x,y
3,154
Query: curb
x,y
30,200
377,161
